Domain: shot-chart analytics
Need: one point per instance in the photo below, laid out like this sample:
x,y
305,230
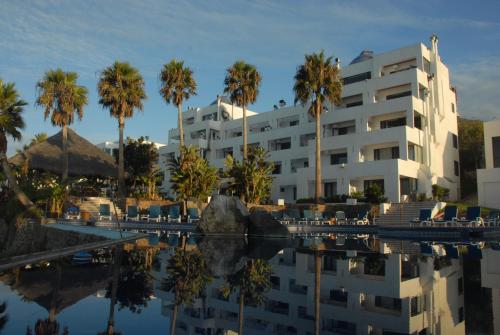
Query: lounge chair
x,y
104,212
310,217
193,215
174,214
291,216
493,218
472,217
424,218
426,249
132,213
154,213
361,218
340,217
72,213
451,250
450,216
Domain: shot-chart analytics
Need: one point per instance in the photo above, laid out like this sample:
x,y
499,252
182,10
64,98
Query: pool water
x,y
332,284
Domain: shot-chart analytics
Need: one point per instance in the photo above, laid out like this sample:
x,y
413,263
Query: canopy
x,y
84,158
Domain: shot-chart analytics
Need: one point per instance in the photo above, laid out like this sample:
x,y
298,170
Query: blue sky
x,y
87,36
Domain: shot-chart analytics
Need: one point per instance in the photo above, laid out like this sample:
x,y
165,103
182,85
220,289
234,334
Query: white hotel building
x,y
396,126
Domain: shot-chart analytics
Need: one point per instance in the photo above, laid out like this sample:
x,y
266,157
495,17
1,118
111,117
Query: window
x,y
388,303
329,263
275,282
456,168
398,95
357,78
460,314
386,153
339,296
416,306
417,121
302,313
354,104
336,159
495,147
454,138
415,152
452,107
393,123
294,123
330,189
277,168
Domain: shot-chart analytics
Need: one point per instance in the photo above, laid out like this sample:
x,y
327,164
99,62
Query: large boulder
x,y
263,224
224,215
223,256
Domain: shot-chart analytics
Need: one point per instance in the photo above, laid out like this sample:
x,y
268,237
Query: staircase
x,y
91,205
403,213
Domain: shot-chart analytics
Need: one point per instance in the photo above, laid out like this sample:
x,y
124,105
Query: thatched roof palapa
x,y
84,158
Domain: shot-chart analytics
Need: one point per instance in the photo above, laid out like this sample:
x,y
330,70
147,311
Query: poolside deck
x,y
112,237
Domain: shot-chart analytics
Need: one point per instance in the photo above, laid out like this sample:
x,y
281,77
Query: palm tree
x,y
121,89
252,282
177,85
316,82
187,277
61,97
242,84
11,122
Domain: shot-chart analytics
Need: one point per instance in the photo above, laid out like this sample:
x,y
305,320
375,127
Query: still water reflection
x,y
329,285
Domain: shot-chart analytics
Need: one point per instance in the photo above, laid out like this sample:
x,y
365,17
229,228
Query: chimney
x,y
434,43
337,63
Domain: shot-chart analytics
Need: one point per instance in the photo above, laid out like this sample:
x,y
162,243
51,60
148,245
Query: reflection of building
x,y
396,127
490,277
362,292
488,179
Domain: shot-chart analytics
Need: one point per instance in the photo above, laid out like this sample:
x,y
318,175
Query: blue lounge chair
x,y
73,213
193,215
450,216
424,218
311,217
174,214
104,212
475,251
154,213
451,251
493,218
132,213
473,217
426,249
291,216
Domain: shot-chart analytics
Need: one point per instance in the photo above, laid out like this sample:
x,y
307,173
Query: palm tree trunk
x,y
13,184
121,165
245,139
173,321
318,155
317,291
181,126
240,315
114,288
65,154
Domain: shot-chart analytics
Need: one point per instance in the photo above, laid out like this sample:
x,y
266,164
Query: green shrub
x,y
440,193
374,194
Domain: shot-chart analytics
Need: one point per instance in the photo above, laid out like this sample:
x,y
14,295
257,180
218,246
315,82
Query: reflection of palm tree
x,y
318,256
114,286
253,282
187,277
47,327
3,316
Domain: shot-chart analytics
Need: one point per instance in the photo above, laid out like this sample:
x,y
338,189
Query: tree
x,y
252,283
11,122
141,159
471,151
317,81
61,98
177,85
121,90
242,84
187,277
191,176
250,179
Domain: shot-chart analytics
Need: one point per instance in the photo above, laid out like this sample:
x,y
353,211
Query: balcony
x,y
280,144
